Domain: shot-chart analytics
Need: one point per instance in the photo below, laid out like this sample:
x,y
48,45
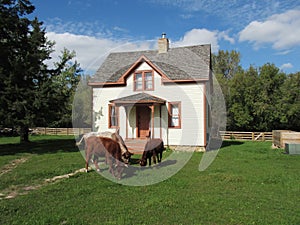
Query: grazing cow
x,y
153,148
126,155
103,146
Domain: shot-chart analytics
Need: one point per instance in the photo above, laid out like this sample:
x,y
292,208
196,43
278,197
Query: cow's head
x,y
143,162
126,157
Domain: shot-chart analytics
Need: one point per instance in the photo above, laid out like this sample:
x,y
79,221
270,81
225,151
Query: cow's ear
x,y
114,137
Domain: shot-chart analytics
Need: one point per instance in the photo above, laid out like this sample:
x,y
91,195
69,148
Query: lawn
x,y
248,183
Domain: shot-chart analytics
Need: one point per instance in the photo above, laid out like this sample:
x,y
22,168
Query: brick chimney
x,y
163,44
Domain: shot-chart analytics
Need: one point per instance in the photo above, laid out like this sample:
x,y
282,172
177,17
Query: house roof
x,y
178,64
139,98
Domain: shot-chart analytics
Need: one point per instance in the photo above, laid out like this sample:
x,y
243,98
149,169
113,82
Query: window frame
x,y
170,106
144,80
110,124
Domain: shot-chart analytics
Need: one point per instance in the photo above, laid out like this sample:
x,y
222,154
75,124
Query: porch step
x,y
136,146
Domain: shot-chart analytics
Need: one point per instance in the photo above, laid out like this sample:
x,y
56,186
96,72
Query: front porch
x,y
140,114
136,146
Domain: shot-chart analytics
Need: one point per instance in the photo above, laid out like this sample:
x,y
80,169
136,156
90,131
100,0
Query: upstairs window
x,y
174,115
143,81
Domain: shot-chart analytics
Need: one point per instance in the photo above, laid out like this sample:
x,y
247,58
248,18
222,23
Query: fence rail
x,y
60,131
226,135
250,136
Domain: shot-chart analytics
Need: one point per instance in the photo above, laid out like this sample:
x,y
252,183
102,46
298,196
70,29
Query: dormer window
x,y
143,81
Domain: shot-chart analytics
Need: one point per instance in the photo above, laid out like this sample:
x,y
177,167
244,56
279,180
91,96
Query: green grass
x,y
248,183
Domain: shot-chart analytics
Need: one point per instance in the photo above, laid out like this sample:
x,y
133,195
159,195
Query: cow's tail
x,y
78,143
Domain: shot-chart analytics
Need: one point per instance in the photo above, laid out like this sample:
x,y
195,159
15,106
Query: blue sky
x,y
262,31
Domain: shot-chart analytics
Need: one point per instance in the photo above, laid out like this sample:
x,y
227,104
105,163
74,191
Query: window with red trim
x,y
174,114
113,113
143,81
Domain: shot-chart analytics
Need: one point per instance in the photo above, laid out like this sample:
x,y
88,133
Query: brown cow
x,y
153,148
126,155
103,146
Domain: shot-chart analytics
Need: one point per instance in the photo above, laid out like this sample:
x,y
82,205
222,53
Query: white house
x,y
163,91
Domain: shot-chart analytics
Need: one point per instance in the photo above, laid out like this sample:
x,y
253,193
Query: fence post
x,y
252,136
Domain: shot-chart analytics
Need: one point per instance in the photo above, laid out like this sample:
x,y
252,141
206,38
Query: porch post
x,y
126,119
152,119
160,131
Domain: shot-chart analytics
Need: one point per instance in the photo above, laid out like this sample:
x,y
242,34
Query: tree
x,y
82,105
268,94
226,63
289,103
29,90
225,66
64,84
242,97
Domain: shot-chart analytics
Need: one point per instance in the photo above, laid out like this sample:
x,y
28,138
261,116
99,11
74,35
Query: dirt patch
x,y
14,191
12,165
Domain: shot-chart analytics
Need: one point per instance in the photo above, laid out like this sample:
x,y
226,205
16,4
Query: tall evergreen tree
x,y
28,91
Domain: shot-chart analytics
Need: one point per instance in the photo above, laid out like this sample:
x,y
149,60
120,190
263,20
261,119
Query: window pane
x,y
175,111
138,81
175,121
113,116
113,111
148,85
174,115
148,81
113,121
148,76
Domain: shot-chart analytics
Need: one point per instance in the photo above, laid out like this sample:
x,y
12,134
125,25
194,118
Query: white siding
x,y
190,95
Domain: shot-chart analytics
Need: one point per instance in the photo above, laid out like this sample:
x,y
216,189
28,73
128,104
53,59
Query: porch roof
x,y
139,98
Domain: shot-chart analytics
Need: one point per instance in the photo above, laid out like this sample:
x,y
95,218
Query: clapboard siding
x,y
190,95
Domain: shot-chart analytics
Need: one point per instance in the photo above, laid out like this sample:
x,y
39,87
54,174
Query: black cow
x,y
153,148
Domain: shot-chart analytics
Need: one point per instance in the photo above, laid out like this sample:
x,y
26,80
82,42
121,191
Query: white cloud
x,y
286,66
199,36
88,49
282,31
224,35
91,51
204,36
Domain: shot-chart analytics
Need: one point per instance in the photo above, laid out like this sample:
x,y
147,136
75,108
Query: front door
x,y
143,114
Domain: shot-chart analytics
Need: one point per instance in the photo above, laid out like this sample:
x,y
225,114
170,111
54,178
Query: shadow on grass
x,y
228,143
42,146
134,170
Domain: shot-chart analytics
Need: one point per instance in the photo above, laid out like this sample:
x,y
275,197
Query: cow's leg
x,y
109,160
119,169
150,160
154,156
160,156
96,163
86,165
87,159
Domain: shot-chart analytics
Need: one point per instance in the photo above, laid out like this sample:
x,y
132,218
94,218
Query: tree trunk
x,y
24,134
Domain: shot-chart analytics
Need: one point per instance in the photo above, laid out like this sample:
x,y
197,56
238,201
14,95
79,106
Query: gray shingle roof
x,y
139,98
182,63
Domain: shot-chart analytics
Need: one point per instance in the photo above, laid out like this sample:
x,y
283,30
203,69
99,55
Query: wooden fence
x,y
250,136
226,135
60,131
